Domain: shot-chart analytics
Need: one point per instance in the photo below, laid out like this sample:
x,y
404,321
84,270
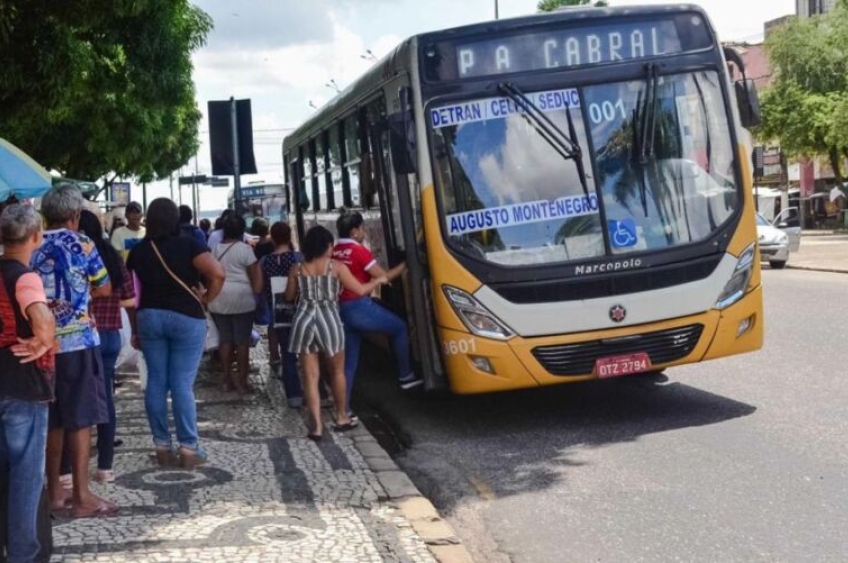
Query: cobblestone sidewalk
x,y
267,494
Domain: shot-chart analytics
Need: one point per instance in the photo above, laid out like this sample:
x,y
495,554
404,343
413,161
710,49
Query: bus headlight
x,y
475,316
738,284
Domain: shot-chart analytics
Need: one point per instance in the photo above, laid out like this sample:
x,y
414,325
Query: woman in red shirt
x,y
361,314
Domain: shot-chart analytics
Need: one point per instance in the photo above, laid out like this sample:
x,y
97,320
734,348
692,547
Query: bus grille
x,y
579,359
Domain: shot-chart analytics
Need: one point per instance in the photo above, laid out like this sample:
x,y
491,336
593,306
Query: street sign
x,y
196,179
217,182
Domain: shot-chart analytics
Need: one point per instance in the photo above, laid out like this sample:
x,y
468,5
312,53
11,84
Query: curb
x,y
818,269
402,493
439,536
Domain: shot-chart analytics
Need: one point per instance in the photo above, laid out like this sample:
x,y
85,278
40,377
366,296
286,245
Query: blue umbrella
x,y
20,175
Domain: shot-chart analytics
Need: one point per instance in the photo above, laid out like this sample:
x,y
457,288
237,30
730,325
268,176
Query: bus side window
x,y
351,178
305,181
321,172
334,167
371,178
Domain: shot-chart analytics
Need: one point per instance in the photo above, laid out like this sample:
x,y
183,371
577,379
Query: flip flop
x,y
345,427
105,509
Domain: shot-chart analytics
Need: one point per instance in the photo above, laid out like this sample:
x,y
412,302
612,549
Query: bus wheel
x,y
777,264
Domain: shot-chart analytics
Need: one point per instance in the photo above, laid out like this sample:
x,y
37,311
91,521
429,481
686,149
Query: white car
x,y
777,239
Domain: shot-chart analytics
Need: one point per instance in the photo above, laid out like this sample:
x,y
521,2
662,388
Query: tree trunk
x,y
836,164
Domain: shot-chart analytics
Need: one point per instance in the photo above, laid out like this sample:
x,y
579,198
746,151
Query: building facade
x,y
807,8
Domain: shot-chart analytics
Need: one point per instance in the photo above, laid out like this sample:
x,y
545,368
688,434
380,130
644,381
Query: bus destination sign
x,y
570,47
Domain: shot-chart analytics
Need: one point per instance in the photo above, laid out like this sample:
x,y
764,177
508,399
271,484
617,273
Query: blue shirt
x,y
69,265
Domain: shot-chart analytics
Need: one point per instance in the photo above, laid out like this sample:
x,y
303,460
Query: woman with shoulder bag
x,y
233,309
170,325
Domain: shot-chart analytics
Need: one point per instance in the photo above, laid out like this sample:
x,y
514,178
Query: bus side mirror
x,y
749,103
402,135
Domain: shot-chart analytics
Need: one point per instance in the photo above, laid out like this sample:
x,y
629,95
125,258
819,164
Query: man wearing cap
x,y
125,238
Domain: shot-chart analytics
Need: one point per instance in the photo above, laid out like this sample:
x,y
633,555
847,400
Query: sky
x,y
281,54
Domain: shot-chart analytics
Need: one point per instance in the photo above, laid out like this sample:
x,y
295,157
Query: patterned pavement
x,y
267,493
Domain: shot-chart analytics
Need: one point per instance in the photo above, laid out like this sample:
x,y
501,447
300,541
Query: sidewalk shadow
x,y
518,442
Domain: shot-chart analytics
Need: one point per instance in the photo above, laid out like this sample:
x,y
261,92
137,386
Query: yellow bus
x,y
572,193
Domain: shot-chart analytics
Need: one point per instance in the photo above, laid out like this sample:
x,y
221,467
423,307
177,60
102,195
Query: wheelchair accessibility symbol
x,y
623,233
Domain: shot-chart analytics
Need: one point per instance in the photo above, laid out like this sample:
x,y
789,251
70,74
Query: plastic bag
x,y
212,336
128,355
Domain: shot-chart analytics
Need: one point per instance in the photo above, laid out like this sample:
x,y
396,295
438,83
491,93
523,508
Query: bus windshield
x,y
663,173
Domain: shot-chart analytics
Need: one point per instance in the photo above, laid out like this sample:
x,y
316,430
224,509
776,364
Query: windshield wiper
x,y
567,146
645,129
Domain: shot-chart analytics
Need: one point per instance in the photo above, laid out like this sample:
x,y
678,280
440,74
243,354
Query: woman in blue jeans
x,y
107,315
170,326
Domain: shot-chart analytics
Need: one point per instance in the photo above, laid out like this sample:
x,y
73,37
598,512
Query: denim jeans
x,y
110,347
172,344
291,378
23,442
364,315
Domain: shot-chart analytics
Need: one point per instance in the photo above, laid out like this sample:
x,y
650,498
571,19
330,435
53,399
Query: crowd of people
x,y
65,284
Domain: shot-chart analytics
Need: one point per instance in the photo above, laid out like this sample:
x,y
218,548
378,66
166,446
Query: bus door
x,y
402,219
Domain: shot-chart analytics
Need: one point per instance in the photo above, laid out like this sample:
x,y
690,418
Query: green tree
x,y
551,5
101,87
805,107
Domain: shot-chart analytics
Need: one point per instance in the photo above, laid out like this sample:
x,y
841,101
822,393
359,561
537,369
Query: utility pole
x,y
236,163
497,15
195,195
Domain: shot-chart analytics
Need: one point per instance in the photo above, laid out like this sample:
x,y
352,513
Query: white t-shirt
x,y
236,296
124,239
216,237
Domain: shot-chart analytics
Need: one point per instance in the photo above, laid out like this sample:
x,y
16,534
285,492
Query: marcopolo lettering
x,y
607,267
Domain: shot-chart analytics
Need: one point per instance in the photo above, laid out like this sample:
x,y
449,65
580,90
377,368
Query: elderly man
x,y
27,333
73,272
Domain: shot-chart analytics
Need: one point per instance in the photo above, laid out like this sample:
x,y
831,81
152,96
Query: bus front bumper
x,y
478,365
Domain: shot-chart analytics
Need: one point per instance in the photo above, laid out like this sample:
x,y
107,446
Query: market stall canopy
x,y
20,175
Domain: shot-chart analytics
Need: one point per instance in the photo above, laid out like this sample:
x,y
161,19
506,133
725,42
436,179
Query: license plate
x,y
616,366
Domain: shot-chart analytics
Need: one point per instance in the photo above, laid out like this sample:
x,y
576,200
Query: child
x,y
317,327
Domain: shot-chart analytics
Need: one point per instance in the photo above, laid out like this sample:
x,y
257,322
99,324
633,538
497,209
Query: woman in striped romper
x,y
317,327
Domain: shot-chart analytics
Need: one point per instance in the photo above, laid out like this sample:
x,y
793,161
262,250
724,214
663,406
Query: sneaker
x,y
410,382
105,476
295,402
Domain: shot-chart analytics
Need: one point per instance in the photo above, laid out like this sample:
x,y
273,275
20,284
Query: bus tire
x,y
777,264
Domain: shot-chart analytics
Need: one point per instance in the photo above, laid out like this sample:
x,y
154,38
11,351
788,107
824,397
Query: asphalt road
x,y
741,459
